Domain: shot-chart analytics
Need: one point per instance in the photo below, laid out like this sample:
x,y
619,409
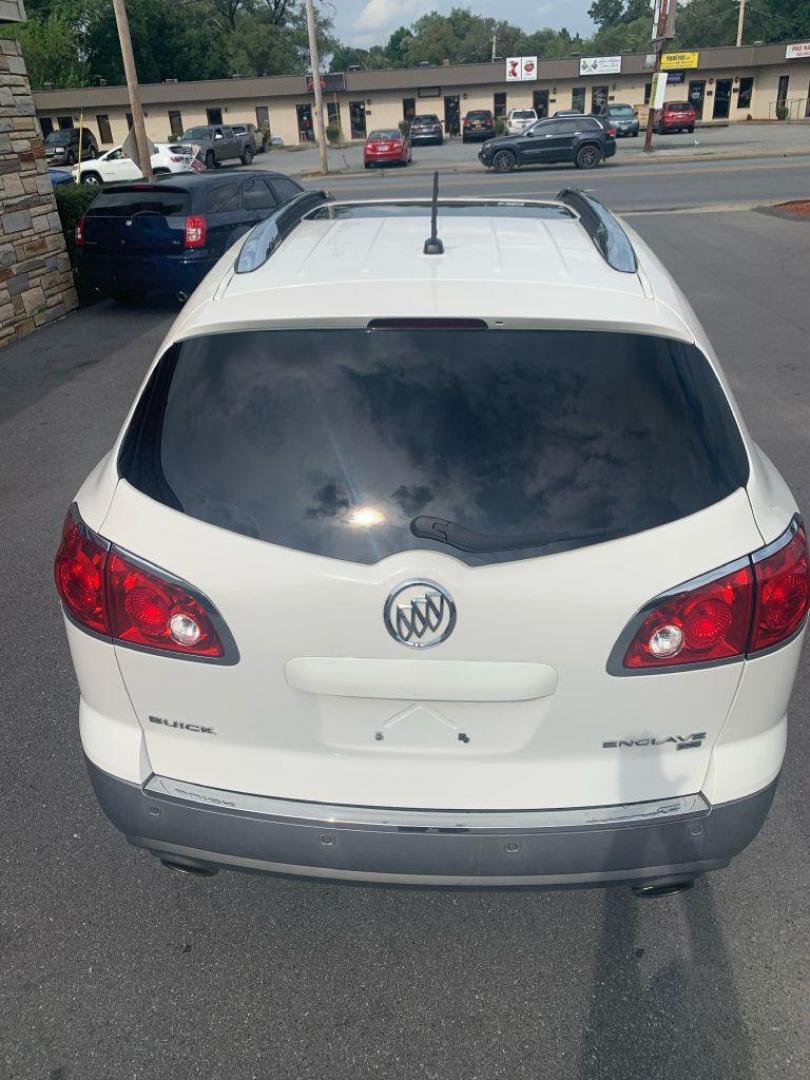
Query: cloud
x,y
380,17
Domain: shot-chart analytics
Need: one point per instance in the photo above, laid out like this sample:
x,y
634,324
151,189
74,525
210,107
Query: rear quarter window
x,y
542,440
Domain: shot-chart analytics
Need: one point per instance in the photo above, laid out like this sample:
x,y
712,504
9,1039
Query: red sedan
x,y
386,147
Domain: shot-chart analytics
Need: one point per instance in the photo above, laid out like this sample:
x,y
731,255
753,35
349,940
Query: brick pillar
x,y
36,285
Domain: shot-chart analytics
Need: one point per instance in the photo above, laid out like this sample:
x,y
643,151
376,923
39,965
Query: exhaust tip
x,y
655,890
196,869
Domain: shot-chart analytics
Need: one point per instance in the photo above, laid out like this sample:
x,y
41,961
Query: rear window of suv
x,y
350,443
127,203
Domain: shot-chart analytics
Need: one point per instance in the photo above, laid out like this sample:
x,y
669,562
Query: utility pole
x,y
494,46
315,63
663,28
741,23
145,162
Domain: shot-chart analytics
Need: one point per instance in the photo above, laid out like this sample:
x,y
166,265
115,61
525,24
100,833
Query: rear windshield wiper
x,y
450,532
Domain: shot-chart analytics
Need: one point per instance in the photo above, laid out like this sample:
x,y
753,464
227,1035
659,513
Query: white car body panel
x,y
513,711
544,751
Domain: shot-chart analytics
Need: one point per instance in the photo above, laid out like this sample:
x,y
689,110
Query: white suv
x,y
441,561
518,120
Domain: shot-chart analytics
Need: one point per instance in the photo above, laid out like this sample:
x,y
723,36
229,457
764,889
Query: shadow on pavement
x,y
662,1002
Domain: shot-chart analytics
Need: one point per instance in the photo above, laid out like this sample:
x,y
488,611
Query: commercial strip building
x,y
724,84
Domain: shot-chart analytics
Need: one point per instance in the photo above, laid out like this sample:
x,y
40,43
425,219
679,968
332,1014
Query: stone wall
x,y
36,285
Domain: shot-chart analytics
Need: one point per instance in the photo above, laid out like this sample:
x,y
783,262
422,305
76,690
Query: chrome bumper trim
x,y
437,821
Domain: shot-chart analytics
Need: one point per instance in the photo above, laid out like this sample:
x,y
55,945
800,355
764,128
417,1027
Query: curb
x,y
657,157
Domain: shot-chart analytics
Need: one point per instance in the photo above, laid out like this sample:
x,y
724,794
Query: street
x,y
115,967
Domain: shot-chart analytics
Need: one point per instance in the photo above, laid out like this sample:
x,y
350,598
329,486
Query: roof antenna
x,y
433,245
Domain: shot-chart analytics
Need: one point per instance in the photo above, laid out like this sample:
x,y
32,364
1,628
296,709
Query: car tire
x,y
690,130
210,160
70,158
588,156
247,156
91,178
503,161
128,297
635,134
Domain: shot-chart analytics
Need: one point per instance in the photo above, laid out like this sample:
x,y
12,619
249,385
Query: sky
x,y
369,22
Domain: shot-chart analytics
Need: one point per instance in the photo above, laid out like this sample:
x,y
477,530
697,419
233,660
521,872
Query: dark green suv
x,y
621,117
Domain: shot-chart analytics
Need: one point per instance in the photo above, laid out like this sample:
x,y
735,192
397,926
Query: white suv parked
x,y
115,166
518,120
444,562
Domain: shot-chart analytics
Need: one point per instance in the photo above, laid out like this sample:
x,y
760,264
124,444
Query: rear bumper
x,y
168,274
632,844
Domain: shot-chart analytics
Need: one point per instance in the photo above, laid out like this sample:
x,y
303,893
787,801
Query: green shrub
x,y
500,126
263,136
405,128
782,112
72,201
333,134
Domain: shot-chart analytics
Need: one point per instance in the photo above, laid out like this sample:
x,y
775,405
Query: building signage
x,y
429,91
676,77
521,68
801,51
600,65
671,61
658,90
335,80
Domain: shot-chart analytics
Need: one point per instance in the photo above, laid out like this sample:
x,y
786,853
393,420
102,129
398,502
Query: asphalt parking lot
x,y
116,968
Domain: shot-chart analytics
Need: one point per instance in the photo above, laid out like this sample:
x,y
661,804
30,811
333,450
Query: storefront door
x,y
540,102
452,115
357,119
697,92
599,99
722,99
304,114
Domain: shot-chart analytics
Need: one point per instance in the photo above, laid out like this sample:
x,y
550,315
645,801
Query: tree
x,y
606,13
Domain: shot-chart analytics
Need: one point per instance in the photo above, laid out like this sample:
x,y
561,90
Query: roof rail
x,y
265,237
610,238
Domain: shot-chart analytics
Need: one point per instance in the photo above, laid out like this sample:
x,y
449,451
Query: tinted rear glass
x,y
334,441
621,110
480,115
126,203
425,120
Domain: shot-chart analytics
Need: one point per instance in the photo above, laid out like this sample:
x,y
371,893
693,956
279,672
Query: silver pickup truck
x,y
220,143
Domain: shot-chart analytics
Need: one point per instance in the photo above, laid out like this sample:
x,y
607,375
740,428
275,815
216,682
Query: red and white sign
x,y
801,51
521,68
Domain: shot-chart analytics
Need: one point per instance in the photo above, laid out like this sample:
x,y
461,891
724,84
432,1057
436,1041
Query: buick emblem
x,y
419,614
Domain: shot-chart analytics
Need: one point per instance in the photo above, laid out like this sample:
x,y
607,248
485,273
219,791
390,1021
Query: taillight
x,y
710,620
783,590
738,610
611,131
147,609
196,231
109,592
79,574
78,235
